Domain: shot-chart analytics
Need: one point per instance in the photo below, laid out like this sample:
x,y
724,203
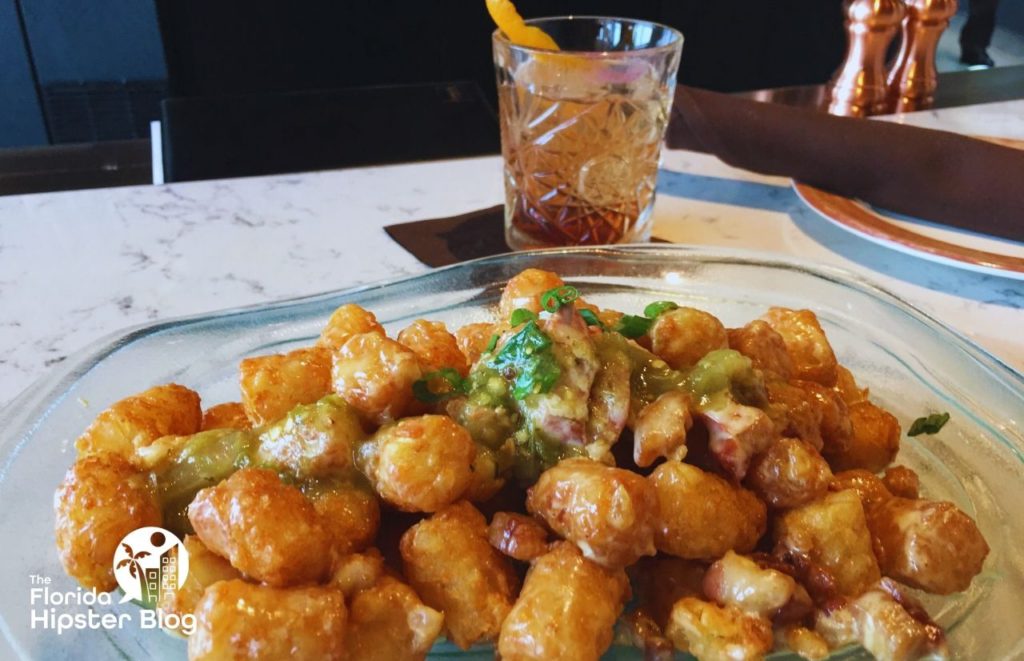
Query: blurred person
x,y
977,33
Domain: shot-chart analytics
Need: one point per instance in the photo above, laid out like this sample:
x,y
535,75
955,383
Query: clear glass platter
x,y
913,364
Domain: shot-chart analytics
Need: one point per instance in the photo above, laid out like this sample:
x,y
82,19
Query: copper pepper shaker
x,y
859,87
913,79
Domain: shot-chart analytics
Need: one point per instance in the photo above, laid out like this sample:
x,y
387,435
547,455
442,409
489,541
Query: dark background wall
x,y
99,66
21,120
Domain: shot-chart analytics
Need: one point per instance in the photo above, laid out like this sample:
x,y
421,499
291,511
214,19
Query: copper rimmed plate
x,y
938,243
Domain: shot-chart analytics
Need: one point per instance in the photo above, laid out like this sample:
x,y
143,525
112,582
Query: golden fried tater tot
x,y
660,429
836,427
229,415
702,515
267,529
524,291
738,581
610,513
487,480
795,412
788,474
718,633
812,355
683,336
350,515
473,340
346,321
356,572
419,464
375,375
453,568
101,499
869,487
902,481
133,423
764,347
805,643
273,385
833,533
566,610
239,620
313,440
927,544
434,345
884,627
873,444
518,536
388,622
847,388
204,569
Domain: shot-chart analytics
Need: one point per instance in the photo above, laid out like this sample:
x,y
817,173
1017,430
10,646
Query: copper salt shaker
x,y
859,87
913,79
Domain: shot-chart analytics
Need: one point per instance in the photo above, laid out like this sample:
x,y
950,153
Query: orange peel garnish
x,y
508,20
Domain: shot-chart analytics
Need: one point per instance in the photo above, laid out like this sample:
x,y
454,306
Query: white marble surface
x,y
75,266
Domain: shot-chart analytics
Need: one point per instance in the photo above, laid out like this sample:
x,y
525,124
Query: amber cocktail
x,y
581,129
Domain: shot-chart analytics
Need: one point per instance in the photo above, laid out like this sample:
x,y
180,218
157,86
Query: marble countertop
x,y
75,266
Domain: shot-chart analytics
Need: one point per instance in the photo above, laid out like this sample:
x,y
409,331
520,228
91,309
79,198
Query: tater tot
x,y
883,627
832,532
133,423
524,291
518,536
346,321
702,515
487,480
239,620
610,513
805,643
717,633
375,375
874,443
273,385
869,487
846,387
453,568
566,610
267,529
101,499
229,415
736,580
927,544
788,474
473,340
419,464
660,429
764,347
350,515
836,427
204,569
313,440
902,481
683,336
388,622
812,355
434,345
356,572
795,412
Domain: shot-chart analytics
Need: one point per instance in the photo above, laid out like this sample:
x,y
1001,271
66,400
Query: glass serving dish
x,y
913,364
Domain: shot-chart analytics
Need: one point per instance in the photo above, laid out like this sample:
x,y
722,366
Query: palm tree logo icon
x,y
149,563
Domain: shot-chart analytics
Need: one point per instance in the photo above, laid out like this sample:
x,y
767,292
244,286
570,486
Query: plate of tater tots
x,y
635,452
